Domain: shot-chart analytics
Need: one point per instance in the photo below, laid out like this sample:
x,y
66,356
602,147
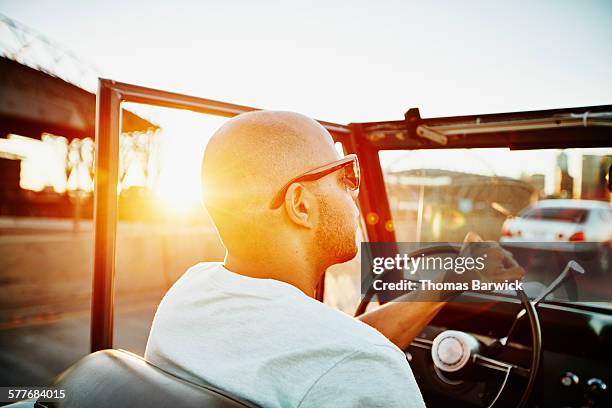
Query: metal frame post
x,y
108,122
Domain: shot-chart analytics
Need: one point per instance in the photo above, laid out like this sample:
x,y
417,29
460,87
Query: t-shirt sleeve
x,y
377,378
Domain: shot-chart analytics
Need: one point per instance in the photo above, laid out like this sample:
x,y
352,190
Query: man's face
x,y
338,218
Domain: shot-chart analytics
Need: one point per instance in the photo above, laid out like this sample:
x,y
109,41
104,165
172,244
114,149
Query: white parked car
x,y
561,221
564,225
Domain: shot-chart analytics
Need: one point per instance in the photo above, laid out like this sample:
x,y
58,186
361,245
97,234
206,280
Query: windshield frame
x,y
546,131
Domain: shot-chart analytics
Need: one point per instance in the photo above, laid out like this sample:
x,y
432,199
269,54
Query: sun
x,y
177,192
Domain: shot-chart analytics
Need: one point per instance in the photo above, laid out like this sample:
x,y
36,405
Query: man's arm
x,y
402,319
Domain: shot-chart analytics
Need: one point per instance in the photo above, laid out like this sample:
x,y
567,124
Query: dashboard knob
x,y
595,389
569,379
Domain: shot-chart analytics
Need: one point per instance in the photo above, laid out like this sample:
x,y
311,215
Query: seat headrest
x,y
117,378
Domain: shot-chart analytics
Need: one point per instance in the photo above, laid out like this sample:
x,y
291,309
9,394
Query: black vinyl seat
x,y
117,378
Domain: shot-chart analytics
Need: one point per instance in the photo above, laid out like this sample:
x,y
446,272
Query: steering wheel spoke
x,y
499,365
422,343
479,359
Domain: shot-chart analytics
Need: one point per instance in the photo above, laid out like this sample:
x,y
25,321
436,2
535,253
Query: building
x,y
594,183
45,90
443,205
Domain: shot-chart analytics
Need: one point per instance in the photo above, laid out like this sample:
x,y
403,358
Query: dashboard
x,y
575,369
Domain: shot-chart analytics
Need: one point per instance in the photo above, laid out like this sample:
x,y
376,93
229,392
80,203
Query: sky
x,y
345,61
342,61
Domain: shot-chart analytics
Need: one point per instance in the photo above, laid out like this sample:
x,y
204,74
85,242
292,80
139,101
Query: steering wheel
x,y
449,341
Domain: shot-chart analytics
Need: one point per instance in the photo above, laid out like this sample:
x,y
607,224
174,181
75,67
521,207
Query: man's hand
x,y
499,265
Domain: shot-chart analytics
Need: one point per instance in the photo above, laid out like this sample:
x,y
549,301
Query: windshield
x,y
441,195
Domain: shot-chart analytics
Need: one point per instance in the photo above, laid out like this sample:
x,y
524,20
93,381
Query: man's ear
x,y
298,206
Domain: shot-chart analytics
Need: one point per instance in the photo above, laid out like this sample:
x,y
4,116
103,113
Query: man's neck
x,y
297,270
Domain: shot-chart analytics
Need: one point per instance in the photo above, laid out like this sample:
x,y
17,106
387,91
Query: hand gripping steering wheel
x,y
452,350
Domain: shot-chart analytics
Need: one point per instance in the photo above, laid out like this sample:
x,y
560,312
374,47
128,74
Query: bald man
x,y
283,204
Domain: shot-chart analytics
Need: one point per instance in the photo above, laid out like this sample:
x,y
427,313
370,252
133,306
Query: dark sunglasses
x,y
351,177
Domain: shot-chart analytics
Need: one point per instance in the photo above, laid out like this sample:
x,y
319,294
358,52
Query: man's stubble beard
x,y
336,235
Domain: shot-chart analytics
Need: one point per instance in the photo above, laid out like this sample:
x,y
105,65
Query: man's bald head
x,y
254,154
251,157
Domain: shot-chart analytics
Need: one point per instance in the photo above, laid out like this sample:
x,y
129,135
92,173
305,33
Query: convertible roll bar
x,y
108,121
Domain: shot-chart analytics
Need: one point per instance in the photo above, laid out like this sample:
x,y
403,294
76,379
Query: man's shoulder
x,y
286,302
336,327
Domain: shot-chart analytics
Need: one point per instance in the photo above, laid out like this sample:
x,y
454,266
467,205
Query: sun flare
x,y
176,192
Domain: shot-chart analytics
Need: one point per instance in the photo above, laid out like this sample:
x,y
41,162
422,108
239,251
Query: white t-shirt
x,y
265,341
